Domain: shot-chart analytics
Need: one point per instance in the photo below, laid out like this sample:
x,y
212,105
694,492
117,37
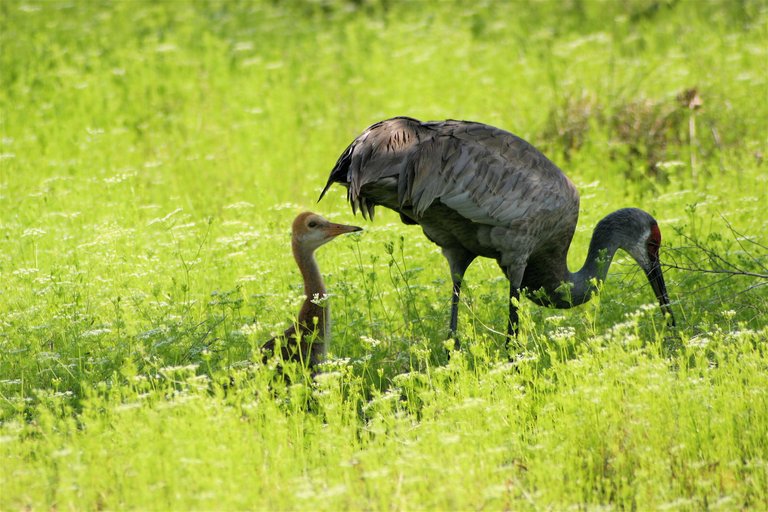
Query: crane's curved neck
x,y
581,285
312,316
594,271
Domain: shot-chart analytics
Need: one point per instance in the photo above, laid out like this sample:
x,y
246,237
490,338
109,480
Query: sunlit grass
x,y
153,156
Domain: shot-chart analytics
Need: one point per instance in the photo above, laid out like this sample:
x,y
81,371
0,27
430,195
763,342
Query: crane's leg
x,y
454,324
515,276
514,297
458,261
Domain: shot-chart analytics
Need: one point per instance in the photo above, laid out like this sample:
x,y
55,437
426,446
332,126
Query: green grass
x,y
153,155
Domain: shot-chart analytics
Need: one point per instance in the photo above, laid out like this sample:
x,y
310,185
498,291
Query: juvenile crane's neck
x,y
312,317
310,271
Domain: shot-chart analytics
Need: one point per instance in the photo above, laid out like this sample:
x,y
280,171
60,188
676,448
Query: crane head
x,y
311,230
653,271
638,233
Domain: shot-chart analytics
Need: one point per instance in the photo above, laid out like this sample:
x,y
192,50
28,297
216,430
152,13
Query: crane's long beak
x,y
333,230
656,278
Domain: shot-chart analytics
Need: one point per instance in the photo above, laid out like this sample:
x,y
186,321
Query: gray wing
x,y
485,174
377,158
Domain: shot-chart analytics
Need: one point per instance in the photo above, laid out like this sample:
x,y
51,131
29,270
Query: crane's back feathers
x,y
487,175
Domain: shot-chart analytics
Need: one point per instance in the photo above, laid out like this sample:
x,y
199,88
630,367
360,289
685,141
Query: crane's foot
x,y
452,344
456,343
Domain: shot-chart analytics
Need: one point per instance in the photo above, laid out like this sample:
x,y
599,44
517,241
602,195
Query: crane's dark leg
x,y
455,307
454,324
515,276
514,297
458,261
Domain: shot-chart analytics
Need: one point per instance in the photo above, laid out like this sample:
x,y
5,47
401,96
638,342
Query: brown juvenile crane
x,y
477,190
310,343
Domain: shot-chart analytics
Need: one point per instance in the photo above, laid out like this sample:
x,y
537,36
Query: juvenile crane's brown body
x,y
307,339
477,190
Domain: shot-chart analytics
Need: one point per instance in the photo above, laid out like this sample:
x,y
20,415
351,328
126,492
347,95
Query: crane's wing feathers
x,y
487,175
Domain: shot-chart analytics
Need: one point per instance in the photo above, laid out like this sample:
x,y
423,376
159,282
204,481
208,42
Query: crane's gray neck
x,y
581,285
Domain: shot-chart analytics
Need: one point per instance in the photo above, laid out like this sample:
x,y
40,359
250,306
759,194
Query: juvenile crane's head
x,y
310,230
638,233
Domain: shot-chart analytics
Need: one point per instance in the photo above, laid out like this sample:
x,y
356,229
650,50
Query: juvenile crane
x,y
477,190
309,344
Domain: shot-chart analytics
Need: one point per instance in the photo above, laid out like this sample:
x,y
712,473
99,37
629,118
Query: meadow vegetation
x,y
154,154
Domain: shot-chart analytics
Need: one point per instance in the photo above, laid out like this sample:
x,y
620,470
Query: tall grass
x,y
152,158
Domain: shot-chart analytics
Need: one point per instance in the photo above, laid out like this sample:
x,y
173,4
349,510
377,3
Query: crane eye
x,y
312,224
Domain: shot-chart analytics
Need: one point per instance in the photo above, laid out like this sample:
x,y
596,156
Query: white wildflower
x,y
370,342
33,233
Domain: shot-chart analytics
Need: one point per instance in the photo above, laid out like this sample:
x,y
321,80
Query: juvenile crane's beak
x,y
656,278
332,230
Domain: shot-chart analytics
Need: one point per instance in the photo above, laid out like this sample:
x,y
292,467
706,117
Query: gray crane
x,y
309,344
477,190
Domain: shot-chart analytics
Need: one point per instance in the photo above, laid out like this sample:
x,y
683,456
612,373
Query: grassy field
x,y
154,154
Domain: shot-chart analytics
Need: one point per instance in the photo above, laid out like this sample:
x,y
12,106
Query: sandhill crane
x,y
309,231
477,190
